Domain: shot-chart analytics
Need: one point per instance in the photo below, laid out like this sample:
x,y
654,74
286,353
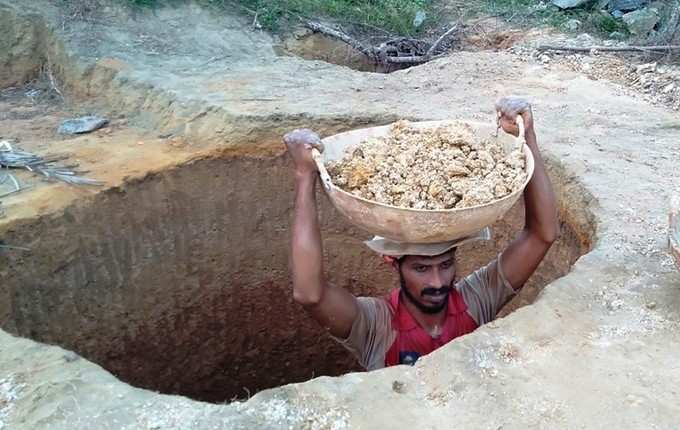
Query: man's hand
x,y
523,255
300,144
333,307
508,108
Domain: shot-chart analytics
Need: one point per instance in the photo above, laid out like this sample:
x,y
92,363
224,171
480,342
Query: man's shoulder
x,y
378,300
386,302
475,278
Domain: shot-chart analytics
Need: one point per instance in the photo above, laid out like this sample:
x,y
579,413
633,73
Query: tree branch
x,y
338,34
438,42
415,59
379,54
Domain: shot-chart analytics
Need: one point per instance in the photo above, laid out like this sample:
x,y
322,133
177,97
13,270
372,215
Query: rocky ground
x,y
654,78
597,349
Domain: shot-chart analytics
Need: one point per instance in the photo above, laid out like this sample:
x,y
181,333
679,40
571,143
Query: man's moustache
x,y
430,291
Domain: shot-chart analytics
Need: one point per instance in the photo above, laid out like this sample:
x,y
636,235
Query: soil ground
x,y
596,349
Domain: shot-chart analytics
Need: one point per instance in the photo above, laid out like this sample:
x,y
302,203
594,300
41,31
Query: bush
x,y
532,12
394,16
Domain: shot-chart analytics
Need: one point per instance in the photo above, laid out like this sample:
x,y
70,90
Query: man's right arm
x,y
332,307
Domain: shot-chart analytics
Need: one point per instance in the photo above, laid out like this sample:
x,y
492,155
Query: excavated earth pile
x,y
173,277
441,168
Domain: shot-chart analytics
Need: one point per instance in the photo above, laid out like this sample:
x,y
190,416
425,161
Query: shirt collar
x,y
403,319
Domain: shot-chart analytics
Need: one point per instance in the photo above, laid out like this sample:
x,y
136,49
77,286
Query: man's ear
x,y
391,261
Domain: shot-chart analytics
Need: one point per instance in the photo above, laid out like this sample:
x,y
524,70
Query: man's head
x,y
426,281
426,270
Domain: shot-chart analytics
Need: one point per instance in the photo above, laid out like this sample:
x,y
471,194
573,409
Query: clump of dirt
x,y
430,168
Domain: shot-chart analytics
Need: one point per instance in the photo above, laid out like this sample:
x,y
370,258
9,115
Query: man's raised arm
x,y
333,307
521,258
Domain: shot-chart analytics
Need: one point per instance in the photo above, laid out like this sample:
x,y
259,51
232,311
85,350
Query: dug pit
x,y
178,282
315,46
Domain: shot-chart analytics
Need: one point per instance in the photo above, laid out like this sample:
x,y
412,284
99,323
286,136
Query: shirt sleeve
x,y
371,334
485,291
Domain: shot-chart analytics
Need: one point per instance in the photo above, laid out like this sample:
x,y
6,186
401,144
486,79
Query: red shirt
x,y
384,333
413,341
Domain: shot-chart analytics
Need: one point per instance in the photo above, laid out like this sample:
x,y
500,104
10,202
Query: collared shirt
x,y
385,333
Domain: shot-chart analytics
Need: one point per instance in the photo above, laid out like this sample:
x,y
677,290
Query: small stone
x,y
419,18
651,305
572,25
569,4
585,39
398,387
301,33
82,125
641,22
626,5
645,68
70,357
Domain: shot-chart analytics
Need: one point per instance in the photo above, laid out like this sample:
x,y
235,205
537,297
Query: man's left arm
x,y
521,258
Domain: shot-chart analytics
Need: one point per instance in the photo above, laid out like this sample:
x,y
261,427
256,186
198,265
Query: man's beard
x,y
434,309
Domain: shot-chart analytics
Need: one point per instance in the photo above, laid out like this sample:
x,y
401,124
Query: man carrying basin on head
x,y
430,308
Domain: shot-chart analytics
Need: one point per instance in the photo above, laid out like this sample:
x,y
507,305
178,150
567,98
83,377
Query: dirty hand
x,y
300,144
508,108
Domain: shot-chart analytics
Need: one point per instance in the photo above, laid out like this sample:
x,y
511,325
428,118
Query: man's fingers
x,y
512,106
302,136
318,145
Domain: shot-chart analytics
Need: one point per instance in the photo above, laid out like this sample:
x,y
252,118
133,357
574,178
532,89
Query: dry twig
x,y
20,248
341,35
50,75
416,59
12,158
439,41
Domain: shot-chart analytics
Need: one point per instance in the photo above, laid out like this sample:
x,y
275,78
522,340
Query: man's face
x,y
427,281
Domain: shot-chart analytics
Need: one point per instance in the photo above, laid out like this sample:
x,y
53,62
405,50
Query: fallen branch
x,y
12,158
415,59
652,48
15,183
20,248
438,42
53,81
338,34
395,51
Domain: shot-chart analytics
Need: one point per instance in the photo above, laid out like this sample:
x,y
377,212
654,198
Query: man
x,y
430,308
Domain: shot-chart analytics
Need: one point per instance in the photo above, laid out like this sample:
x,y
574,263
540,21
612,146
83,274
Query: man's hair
x,y
403,257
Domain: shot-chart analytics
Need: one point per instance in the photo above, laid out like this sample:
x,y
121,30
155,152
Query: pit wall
x,y
35,49
22,46
178,282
